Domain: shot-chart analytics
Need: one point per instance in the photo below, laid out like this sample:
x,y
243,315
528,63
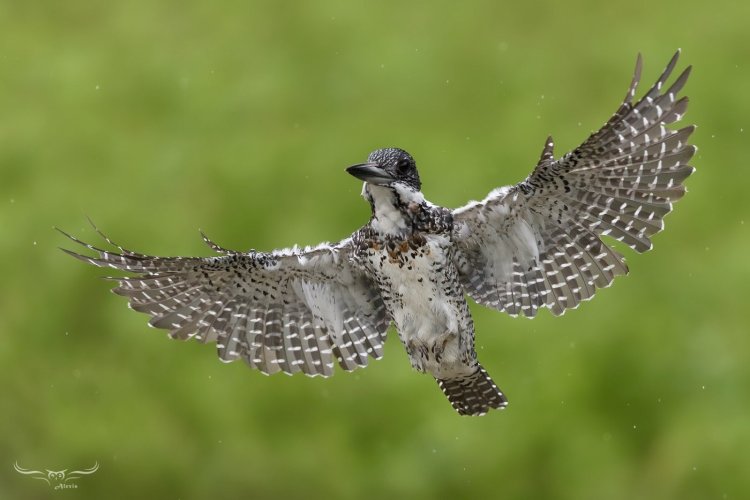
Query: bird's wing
x,y
35,474
289,310
537,244
76,474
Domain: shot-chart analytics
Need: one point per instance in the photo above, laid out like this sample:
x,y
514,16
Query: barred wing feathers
x,y
289,310
537,244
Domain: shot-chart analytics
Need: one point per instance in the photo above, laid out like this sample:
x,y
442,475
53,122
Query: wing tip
x,y
633,88
548,150
81,257
215,246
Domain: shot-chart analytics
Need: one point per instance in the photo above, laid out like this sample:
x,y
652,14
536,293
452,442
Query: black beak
x,y
371,172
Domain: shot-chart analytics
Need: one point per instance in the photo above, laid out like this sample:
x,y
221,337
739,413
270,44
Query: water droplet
x,y
447,82
97,87
634,426
703,387
35,243
66,334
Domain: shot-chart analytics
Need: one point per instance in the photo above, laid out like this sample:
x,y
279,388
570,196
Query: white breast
x,y
426,311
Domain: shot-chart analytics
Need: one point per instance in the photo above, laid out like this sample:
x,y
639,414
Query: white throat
x,y
385,201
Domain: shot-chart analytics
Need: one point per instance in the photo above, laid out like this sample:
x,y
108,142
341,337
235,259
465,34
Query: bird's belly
x,y
420,288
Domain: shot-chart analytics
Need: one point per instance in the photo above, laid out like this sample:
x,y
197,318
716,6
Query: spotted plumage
x,y
533,245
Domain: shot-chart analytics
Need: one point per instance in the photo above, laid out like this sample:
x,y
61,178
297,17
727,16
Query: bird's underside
x,y
533,245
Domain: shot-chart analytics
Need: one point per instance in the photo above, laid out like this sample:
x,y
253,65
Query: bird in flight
x,y
533,245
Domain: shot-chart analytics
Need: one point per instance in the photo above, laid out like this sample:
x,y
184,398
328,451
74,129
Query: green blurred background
x,y
157,118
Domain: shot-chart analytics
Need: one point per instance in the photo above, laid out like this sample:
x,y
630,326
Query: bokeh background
x,y
157,118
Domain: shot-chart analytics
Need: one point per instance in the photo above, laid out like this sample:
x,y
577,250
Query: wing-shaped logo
x,y
34,474
76,474
57,479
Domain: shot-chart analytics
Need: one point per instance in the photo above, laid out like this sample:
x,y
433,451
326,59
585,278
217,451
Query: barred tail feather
x,y
474,394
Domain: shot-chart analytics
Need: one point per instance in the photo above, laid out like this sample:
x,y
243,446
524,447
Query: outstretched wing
x,y
537,244
289,310
76,474
35,474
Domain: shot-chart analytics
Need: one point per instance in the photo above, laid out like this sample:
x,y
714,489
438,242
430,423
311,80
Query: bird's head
x,y
56,475
390,167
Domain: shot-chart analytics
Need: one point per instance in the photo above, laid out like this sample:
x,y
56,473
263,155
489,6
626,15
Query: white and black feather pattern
x,y
292,310
537,244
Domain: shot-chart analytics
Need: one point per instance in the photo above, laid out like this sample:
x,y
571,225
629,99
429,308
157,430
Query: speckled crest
x,y
398,163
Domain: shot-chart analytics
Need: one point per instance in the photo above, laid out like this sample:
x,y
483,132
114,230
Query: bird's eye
x,y
403,165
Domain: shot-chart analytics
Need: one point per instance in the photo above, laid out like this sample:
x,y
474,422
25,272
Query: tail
x,y
473,394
